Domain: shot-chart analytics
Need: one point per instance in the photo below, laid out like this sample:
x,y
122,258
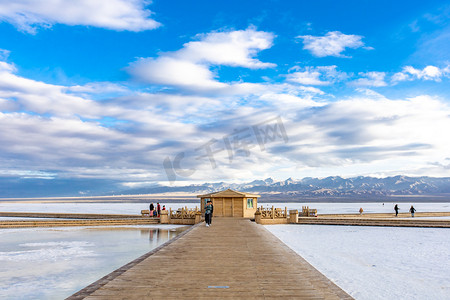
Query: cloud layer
x,y
184,112
331,44
29,15
190,67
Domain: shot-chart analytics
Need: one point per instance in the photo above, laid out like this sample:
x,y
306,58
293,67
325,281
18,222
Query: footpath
x,y
233,259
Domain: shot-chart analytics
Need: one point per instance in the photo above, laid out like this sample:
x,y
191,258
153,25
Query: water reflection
x,y
159,234
53,263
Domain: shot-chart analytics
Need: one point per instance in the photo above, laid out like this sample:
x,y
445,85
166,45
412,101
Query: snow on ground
x,y
376,262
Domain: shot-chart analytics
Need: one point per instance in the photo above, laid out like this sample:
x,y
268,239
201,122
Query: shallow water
x,y
54,263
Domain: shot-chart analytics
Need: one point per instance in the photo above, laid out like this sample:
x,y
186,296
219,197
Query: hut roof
x,y
228,193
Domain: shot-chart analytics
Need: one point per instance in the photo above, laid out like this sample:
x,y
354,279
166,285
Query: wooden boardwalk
x,y
71,223
234,258
31,219
365,221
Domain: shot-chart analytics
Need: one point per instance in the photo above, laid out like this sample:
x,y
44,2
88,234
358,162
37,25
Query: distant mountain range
x,y
364,188
314,189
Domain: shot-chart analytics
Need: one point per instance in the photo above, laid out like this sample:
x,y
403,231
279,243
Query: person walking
x,y
158,208
412,210
208,213
396,209
361,210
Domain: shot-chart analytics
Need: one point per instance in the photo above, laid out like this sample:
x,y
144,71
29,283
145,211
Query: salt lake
x,y
53,263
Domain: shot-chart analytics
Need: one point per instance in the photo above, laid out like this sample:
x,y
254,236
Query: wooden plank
x,y
234,253
87,222
238,207
228,207
218,207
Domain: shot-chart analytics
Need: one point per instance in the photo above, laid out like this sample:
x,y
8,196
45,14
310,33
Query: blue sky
x,y
173,92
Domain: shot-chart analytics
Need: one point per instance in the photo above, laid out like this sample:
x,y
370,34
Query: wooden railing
x,y
183,213
273,213
308,212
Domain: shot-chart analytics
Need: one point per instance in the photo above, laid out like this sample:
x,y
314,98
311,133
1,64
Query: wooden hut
x,y
231,203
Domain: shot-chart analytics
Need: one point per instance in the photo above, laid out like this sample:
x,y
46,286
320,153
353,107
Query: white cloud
x,y
374,79
4,54
400,76
373,134
331,44
98,88
234,48
41,97
322,75
6,67
189,67
174,71
70,146
428,73
410,73
29,15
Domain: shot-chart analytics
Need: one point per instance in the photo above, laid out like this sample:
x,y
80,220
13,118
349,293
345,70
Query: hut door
x,y
228,208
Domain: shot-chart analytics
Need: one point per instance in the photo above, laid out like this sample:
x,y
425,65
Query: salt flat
x,y
376,262
406,261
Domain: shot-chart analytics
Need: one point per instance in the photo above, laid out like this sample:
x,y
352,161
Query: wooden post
x,y
273,213
198,217
258,217
164,218
293,216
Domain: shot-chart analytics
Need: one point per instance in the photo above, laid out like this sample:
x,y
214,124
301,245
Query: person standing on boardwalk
x,y
396,209
412,210
158,208
212,211
152,208
208,213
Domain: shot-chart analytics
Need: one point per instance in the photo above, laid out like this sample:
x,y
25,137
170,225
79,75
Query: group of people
x,y
156,211
412,210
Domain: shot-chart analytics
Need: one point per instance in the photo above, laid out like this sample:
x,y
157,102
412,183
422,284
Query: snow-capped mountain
x,y
335,186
